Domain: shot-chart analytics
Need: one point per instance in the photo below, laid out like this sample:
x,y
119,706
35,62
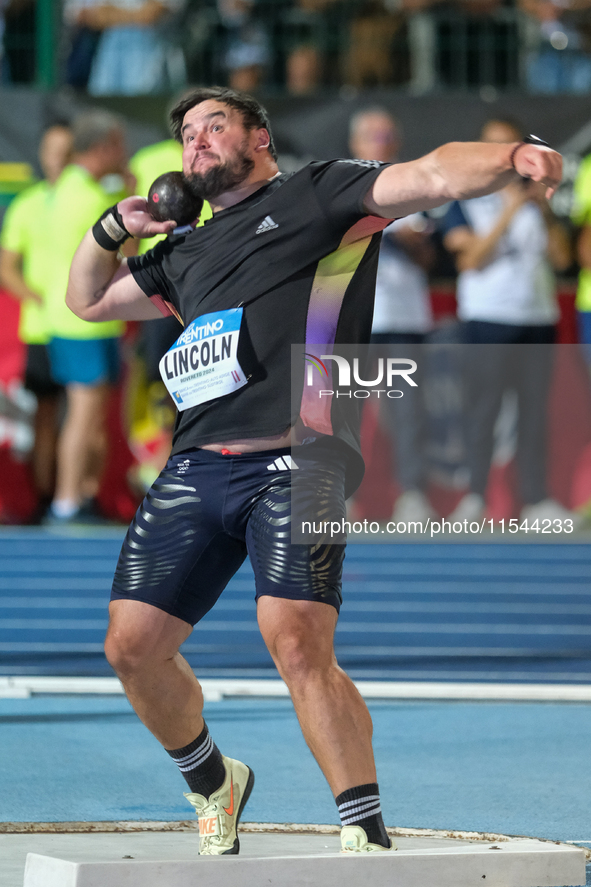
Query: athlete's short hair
x,y
253,113
93,127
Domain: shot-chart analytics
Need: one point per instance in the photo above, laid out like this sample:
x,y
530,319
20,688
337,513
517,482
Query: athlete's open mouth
x,y
204,157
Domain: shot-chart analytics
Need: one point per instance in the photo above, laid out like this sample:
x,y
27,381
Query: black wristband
x,y
110,232
528,140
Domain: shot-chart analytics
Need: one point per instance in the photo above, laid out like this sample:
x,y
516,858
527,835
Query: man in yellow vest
x,y
84,356
25,263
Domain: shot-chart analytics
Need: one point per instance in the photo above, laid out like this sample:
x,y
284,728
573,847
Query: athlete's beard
x,y
221,178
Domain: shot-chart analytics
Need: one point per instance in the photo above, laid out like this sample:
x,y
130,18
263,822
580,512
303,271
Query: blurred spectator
x,y
562,61
84,356
581,216
506,299
402,41
4,63
310,37
4,68
135,53
25,265
246,44
19,40
82,42
402,314
303,70
372,58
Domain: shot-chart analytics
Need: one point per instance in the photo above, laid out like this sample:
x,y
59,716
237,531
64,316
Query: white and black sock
x,y
361,806
201,764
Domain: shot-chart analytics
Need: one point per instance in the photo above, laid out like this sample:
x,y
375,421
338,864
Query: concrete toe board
x,y
164,860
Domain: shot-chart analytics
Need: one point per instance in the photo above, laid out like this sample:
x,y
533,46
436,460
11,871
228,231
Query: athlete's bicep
x,y
402,189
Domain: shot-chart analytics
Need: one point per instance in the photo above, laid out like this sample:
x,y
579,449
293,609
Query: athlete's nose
x,y
201,141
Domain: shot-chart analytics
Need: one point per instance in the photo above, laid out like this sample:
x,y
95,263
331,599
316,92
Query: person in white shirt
x,y
136,54
402,314
503,244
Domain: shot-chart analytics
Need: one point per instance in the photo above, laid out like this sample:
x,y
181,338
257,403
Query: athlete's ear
x,y
263,140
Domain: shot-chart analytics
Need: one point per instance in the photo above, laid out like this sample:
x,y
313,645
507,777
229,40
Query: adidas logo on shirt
x,y
266,225
282,463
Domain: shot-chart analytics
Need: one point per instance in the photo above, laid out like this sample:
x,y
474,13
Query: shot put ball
x,y
169,199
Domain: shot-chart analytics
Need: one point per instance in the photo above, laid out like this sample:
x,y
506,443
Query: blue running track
x,y
423,612
519,768
489,612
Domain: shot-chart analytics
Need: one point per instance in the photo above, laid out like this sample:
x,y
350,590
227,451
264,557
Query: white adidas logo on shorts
x,y
282,463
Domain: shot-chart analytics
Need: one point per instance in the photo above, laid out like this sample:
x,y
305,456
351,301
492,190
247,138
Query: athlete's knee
x,y
141,637
128,651
299,636
299,657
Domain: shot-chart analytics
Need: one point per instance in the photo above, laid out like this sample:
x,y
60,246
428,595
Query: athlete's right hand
x,y
138,221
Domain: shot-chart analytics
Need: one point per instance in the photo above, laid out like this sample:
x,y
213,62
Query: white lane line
x,y
216,689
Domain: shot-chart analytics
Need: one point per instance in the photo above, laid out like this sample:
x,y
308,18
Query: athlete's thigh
x,y
176,555
297,572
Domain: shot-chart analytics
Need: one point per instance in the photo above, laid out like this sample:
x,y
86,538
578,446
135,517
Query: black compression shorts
x,y
207,511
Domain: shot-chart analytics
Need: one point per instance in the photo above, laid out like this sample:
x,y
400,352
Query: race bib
x,y
203,363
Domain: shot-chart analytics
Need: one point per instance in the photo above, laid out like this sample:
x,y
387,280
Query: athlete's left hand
x,y
540,164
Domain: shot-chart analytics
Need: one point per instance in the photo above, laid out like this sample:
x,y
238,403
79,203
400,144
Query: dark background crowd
x,y
501,428
132,47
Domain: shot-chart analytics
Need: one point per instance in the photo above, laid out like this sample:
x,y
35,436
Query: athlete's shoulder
x,y
344,161
339,172
364,164
166,248
343,171
317,167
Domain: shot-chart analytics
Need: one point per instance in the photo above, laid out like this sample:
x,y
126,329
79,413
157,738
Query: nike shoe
x,y
354,840
219,814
